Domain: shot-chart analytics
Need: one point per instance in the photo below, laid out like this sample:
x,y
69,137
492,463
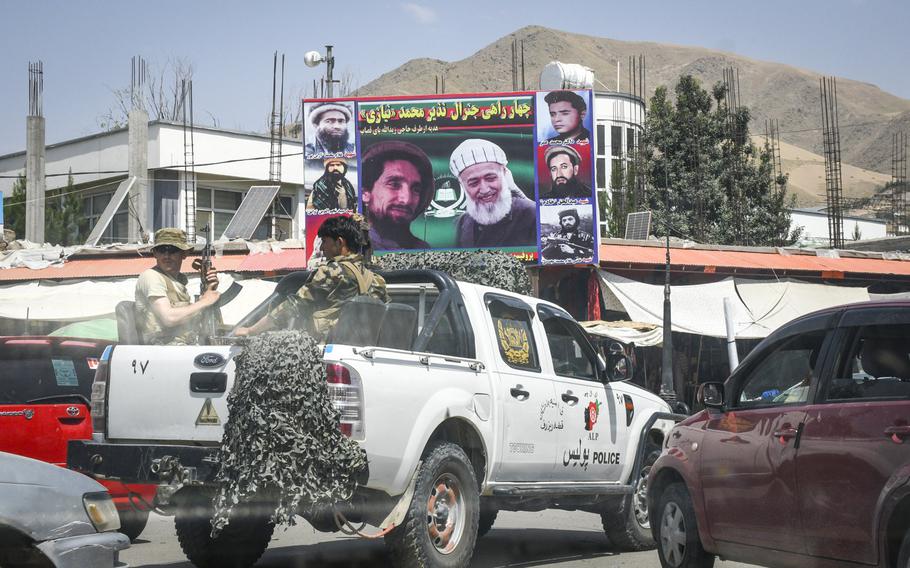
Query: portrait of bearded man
x,y
331,123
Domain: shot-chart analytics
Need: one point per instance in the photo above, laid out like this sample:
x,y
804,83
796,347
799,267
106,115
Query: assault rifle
x,y
212,316
552,245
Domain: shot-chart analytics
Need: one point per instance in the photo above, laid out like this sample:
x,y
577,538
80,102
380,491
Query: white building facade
x,y
618,124
814,224
226,162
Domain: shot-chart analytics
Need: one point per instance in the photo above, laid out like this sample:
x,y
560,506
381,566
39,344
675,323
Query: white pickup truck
x,y
467,400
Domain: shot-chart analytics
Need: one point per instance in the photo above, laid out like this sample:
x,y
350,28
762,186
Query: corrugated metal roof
x,y
111,267
713,260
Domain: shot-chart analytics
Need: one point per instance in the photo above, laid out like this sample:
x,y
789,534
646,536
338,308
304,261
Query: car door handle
x,y
897,433
786,434
518,392
569,398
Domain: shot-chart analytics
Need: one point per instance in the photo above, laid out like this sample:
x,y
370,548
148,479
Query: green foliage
x,y
14,208
721,187
65,223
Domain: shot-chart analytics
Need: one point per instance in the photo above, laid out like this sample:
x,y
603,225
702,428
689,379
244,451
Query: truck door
x,y
587,418
526,395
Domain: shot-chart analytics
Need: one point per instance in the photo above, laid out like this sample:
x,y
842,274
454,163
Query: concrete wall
x,y
815,227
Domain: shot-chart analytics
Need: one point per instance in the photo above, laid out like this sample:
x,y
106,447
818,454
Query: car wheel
x,y
487,518
629,528
678,544
132,522
903,557
440,528
238,545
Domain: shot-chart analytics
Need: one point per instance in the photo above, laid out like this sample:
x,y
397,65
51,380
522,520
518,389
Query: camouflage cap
x,y
171,236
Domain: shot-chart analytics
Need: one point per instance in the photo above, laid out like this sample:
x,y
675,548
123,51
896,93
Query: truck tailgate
x,y
169,393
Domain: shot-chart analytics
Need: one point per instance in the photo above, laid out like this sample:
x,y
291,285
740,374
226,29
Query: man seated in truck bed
x,y
340,279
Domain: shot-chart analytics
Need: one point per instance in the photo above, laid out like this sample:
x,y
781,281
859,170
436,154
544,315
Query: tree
x,y
65,222
14,208
721,187
162,96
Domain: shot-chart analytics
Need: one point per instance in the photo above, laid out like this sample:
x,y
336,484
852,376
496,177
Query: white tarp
x,y
641,336
759,307
90,299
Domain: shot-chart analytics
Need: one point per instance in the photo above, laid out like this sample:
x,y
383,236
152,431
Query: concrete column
x,y
140,219
35,185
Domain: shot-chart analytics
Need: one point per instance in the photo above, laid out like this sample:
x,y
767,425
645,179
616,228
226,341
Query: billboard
x,y
505,171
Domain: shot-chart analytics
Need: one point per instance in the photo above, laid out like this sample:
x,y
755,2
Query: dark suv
x,y
801,457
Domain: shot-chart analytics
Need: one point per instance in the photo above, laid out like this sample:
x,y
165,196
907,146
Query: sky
x,y
86,45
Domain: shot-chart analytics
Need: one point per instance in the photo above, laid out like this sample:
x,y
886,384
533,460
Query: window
x,y
512,326
217,207
571,356
616,140
784,375
282,218
630,141
118,229
876,366
601,139
601,173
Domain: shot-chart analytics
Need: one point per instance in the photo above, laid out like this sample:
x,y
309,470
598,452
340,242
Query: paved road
x,y
517,539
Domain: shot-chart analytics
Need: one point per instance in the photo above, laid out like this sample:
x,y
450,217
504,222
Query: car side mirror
x,y
621,368
711,395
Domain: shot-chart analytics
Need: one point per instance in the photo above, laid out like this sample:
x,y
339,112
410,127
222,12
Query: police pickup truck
x,y
467,400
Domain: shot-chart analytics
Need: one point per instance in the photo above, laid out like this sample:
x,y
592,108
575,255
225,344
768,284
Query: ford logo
x,y
72,410
209,360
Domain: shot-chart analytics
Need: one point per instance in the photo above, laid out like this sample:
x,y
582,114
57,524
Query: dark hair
x,y
569,213
342,226
574,99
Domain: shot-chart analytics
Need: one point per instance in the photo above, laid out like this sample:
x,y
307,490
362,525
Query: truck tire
x,y
678,544
445,538
132,522
903,557
486,520
240,543
628,528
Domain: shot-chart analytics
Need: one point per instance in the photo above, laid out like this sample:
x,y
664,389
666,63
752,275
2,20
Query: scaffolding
x,y
189,170
899,184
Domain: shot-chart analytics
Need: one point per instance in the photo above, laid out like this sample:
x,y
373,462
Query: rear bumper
x,y
132,463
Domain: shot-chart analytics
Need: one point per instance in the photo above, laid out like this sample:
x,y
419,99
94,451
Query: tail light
x,y
346,393
99,393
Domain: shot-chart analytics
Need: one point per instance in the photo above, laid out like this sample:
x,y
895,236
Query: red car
x,y
802,457
45,386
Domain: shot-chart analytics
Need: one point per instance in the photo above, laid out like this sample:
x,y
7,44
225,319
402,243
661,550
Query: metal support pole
x,y
667,388
329,68
731,336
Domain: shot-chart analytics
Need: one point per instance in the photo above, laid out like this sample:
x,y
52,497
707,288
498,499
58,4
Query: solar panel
x,y
638,225
253,207
112,206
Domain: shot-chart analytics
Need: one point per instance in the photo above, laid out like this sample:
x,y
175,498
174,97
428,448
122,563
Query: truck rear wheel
x,y
440,528
629,528
238,545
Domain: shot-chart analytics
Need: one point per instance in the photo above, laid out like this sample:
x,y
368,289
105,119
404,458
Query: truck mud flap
x,y
134,462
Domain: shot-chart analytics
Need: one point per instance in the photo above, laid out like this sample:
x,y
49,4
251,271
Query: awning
x,y
642,335
758,307
91,299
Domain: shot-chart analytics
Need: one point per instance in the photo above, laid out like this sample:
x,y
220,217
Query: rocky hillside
x,y
867,114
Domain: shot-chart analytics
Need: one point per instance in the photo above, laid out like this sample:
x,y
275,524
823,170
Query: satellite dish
x,y
312,58
557,75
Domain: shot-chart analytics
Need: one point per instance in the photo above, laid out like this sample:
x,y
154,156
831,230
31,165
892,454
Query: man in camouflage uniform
x,y
165,312
335,282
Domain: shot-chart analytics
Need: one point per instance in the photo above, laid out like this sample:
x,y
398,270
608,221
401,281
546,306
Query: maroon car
x,y
802,457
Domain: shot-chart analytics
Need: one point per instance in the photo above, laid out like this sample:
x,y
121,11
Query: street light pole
x,y
667,389
329,68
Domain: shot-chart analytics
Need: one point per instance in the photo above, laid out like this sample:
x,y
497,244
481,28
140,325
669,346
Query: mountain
x,y
867,115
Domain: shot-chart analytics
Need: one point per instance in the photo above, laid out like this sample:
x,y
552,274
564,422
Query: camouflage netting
x,y
282,438
486,267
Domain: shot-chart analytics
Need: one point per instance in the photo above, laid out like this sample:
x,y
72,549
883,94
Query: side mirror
x,y
616,348
711,395
621,369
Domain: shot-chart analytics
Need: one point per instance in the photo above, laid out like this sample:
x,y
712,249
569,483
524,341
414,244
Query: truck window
x,y
785,375
512,326
570,358
876,365
444,339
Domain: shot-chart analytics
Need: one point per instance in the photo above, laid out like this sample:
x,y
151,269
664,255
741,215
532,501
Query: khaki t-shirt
x,y
152,285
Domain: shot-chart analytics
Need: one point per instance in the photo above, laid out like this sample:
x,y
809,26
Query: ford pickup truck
x,y
467,400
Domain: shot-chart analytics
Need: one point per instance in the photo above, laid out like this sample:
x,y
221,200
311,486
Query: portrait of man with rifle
x,y
570,241
165,312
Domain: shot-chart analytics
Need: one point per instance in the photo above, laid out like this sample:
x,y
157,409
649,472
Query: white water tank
x,y
557,75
